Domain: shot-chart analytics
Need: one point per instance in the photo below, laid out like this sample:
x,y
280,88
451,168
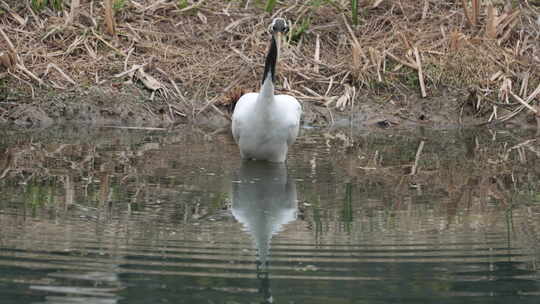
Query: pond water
x,y
114,215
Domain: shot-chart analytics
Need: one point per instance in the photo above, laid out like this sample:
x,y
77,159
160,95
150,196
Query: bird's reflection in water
x,y
263,200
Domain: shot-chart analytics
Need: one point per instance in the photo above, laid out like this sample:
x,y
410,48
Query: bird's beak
x,y
279,37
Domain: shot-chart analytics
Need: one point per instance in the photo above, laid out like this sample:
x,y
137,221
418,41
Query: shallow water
x,y
148,216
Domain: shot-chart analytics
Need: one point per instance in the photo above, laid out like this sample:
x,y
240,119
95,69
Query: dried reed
x,y
201,51
109,18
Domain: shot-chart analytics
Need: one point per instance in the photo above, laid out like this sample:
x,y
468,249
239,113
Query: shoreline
x,y
132,107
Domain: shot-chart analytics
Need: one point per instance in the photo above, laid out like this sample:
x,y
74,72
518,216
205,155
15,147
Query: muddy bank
x,y
95,106
131,106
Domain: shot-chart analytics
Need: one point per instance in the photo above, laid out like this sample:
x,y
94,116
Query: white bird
x,y
264,125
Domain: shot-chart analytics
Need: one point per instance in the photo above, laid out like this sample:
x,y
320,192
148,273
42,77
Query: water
x,y
141,216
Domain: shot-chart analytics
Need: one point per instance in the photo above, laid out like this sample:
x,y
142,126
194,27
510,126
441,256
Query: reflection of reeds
x,y
482,175
347,211
464,181
81,177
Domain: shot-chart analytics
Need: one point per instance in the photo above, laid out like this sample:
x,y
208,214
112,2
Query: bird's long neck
x,y
269,76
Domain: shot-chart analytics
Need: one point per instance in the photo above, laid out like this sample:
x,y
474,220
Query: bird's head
x,y
279,25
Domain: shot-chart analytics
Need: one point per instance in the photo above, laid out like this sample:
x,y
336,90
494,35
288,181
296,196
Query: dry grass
x,y
209,51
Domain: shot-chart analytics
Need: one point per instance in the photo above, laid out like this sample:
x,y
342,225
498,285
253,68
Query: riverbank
x,y
164,63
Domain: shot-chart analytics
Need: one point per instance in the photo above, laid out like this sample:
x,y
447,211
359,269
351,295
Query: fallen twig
x,y
417,157
525,104
8,41
420,73
54,66
25,70
132,70
136,128
317,55
108,44
403,62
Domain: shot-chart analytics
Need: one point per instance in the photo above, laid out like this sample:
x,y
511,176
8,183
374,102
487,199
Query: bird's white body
x,y
264,125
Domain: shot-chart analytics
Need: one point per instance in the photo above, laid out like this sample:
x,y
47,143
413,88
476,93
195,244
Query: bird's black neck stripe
x,y
270,64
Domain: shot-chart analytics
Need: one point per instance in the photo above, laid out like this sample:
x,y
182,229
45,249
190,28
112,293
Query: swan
x,y
264,125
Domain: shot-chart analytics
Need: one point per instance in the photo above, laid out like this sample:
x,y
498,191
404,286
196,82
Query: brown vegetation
x,y
195,54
